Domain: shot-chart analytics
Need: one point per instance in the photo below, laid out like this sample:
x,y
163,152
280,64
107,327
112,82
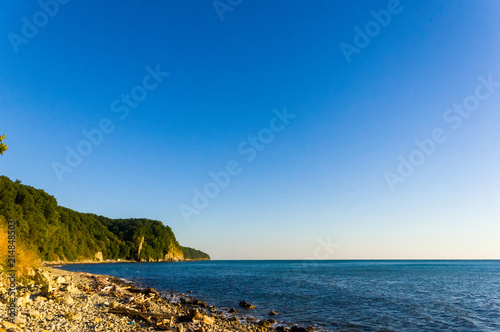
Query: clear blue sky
x,y
323,175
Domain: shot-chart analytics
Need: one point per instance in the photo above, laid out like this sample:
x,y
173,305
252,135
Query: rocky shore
x,y
55,300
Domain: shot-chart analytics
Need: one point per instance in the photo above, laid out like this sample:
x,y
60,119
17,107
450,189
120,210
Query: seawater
x,y
336,295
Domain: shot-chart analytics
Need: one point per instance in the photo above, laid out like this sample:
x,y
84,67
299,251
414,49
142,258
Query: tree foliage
x,y
58,233
3,147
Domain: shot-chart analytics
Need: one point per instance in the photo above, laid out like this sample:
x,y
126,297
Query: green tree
x,y
3,147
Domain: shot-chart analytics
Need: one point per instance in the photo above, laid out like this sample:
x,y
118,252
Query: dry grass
x,y
25,259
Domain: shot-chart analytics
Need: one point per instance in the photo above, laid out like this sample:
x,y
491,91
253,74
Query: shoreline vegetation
x,y
59,234
50,299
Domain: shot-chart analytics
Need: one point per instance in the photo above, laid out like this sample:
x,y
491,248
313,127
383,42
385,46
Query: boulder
x,y
70,288
60,280
47,290
282,329
67,300
247,305
208,320
298,329
265,323
42,278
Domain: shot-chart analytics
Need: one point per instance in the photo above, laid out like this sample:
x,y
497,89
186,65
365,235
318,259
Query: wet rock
x,y
273,313
265,323
282,329
310,329
232,311
298,329
247,305
199,303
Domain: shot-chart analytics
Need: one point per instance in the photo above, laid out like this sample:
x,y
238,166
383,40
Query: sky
x,y
264,130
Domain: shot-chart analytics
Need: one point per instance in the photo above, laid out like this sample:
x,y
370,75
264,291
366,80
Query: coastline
x,y
60,263
53,299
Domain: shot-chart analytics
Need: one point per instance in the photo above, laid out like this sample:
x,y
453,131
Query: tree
x,y
3,147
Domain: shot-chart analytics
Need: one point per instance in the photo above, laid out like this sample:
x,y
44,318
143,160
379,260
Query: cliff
x,y
57,233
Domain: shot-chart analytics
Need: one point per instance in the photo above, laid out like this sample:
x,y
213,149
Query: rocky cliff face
x,y
174,254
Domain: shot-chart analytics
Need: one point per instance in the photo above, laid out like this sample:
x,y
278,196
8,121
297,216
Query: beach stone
x,y
282,329
232,311
19,321
40,299
73,316
247,305
273,313
113,305
11,327
46,290
60,280
67,300
310,329
42,278
34,314
71,288
265,323
298,329
208,320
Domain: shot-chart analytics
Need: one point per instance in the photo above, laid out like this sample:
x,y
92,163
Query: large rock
x,y
47,290
42,278
247,305
265,323
67,300
70,288
60,280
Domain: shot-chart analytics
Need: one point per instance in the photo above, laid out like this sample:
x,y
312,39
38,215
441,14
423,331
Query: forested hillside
x,y
58,233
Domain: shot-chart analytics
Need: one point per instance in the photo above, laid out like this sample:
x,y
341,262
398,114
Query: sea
x,y
334,295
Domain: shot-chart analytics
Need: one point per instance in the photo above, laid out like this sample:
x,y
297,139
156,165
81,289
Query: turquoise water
x,y
337,295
